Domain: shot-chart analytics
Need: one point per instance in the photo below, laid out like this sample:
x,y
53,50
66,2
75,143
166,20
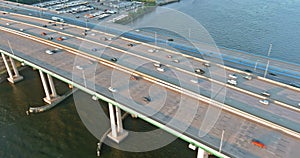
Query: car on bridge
x,y
147,99
265,93
160,69
264,101
233,76
258,143
114,59
111,89
199,71
232,82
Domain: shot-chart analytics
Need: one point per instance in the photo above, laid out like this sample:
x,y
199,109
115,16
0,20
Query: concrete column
x,y
13,64
10,75
201,153
45,86
112,120
119,120
117,133
52,87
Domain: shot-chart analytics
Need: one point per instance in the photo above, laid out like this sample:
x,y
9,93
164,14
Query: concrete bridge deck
x,y
282,110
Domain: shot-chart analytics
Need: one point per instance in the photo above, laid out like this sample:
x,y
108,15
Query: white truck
x,y
54,18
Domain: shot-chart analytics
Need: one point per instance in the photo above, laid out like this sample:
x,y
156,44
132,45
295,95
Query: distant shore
x,y
165,2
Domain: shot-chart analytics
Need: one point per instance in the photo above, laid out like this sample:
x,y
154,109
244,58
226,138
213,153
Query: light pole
x,y
221,142
84,79
256,65
12,51
270,48
155,38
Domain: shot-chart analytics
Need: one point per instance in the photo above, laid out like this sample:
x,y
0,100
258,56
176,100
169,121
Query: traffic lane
x,y
287,96
276,92
272,108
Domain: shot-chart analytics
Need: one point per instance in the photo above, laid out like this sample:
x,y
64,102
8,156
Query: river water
x,y
248,25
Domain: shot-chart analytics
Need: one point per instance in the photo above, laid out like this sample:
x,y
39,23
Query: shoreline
x,y
166,2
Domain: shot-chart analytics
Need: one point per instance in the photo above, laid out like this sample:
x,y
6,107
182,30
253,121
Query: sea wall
x,y
164,2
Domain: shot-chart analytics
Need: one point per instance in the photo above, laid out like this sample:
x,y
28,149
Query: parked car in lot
x,y
199,71
232,82
264,101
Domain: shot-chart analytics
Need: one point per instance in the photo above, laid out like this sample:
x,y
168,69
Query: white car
x,y
264,101
232,82
233,76
265,93
152,50
7,24
194,81
157,64
112,89
160,69
206,64
79,67
176,61
49,52
247,77
22,30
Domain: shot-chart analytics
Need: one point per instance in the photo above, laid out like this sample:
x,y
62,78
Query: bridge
x,y
104,64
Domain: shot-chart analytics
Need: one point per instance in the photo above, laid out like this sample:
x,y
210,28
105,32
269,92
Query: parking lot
x,y
91,10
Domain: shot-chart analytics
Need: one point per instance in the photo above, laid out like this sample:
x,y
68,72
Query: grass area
x,y
134,15
148,2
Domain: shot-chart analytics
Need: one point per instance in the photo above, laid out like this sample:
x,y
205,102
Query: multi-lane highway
x,y
178,78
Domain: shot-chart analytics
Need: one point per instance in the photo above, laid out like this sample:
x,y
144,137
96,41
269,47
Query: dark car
x,y
171,39
247,70
130,45
113,59
44,25
199,71
147,99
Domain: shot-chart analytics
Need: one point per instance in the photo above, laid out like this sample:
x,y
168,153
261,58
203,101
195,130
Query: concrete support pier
x,y
12,78
201,153
50,98
117,133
